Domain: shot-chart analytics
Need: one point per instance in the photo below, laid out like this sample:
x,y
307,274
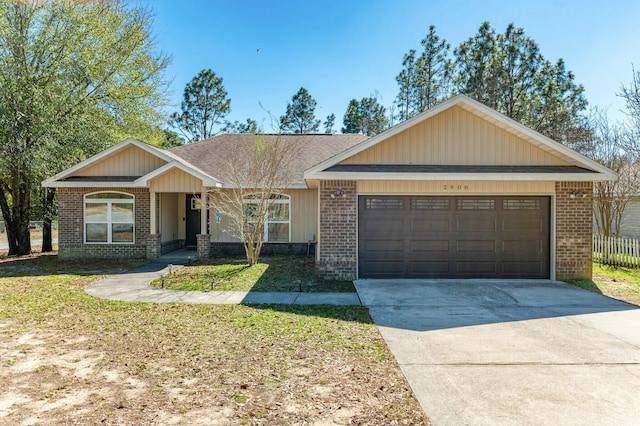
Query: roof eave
x,y
91,184
558,177
175,164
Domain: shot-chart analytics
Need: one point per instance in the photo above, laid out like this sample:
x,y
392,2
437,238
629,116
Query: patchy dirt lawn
x,y
68,358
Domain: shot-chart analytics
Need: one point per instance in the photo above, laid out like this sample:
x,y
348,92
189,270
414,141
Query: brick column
x,y
203,246
338,230
574,228
154,249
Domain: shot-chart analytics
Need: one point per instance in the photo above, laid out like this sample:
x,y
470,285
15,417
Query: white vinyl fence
x,y
616,251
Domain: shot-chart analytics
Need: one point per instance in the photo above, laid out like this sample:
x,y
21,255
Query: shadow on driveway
x,y
424,305
521,352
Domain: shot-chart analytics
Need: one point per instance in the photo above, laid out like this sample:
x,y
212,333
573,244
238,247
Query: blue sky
x,y
339,50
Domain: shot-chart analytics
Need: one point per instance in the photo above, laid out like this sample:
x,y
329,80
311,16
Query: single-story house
x,y
458,191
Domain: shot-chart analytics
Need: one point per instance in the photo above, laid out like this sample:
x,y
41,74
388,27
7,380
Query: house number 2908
x,y
455,187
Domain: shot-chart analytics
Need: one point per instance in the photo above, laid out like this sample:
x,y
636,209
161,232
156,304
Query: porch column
x,y
153,239
203,212
152,214
203,240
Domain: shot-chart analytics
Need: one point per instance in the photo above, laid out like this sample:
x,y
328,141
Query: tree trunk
x,y
48,209
16,216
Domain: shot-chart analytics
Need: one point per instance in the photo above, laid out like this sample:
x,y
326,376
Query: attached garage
x,y
458,191
453,237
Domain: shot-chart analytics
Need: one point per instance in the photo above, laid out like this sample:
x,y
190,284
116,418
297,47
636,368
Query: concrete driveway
x,y
498,352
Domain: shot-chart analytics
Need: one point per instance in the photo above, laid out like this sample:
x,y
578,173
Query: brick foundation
x,y
203,246
268,249
338,255
71,226
170,246
574,227
154,247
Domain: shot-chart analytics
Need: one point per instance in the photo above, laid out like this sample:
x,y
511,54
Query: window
x,y
109,218
384,204
429,204
521,204
277,224
468,204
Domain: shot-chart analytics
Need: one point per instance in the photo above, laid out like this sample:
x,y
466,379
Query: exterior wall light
x,y
338,193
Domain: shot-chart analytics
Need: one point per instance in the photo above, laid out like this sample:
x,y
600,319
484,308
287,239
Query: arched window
x,y
277,224
109,218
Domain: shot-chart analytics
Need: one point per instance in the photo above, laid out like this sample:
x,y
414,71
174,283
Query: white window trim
x,y
109,223
285,199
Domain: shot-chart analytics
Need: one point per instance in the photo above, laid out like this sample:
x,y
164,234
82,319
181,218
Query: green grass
x,y
613,281
218,364
277,273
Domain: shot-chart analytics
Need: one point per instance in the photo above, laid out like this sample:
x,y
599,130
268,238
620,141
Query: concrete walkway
x,y
511,352
133,286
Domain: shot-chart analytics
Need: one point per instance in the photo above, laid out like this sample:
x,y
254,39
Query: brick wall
x,y
338,230
268,249
154,246
71,226
574,226
203,246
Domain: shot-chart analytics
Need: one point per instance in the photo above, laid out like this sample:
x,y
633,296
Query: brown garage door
x,y
453,237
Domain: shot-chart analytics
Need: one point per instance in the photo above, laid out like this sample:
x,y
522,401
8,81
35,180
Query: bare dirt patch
x,y
68,358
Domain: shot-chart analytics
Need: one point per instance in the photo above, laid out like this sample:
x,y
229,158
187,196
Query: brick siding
x,y
203,246
338,230
268,249
71,226
154,246
574,227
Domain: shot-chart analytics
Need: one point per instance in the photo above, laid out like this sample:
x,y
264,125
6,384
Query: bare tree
x,y
256,171
612,197
631,94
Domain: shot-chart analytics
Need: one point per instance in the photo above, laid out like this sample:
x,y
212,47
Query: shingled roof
x,y
310,149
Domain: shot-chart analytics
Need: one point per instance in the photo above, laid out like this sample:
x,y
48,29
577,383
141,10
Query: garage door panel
x,y
473,246
429,246
527,247
430,225
389,225
471,223
476,267
522,268
385,246
427,268
520,223
455,237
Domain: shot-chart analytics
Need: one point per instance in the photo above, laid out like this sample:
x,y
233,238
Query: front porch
x,y
178,220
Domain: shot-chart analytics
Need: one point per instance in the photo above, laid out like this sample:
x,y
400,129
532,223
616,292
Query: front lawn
x,y
614,281
69,358
276,273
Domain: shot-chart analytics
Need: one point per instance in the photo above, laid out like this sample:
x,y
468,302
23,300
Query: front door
x,y
192,219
